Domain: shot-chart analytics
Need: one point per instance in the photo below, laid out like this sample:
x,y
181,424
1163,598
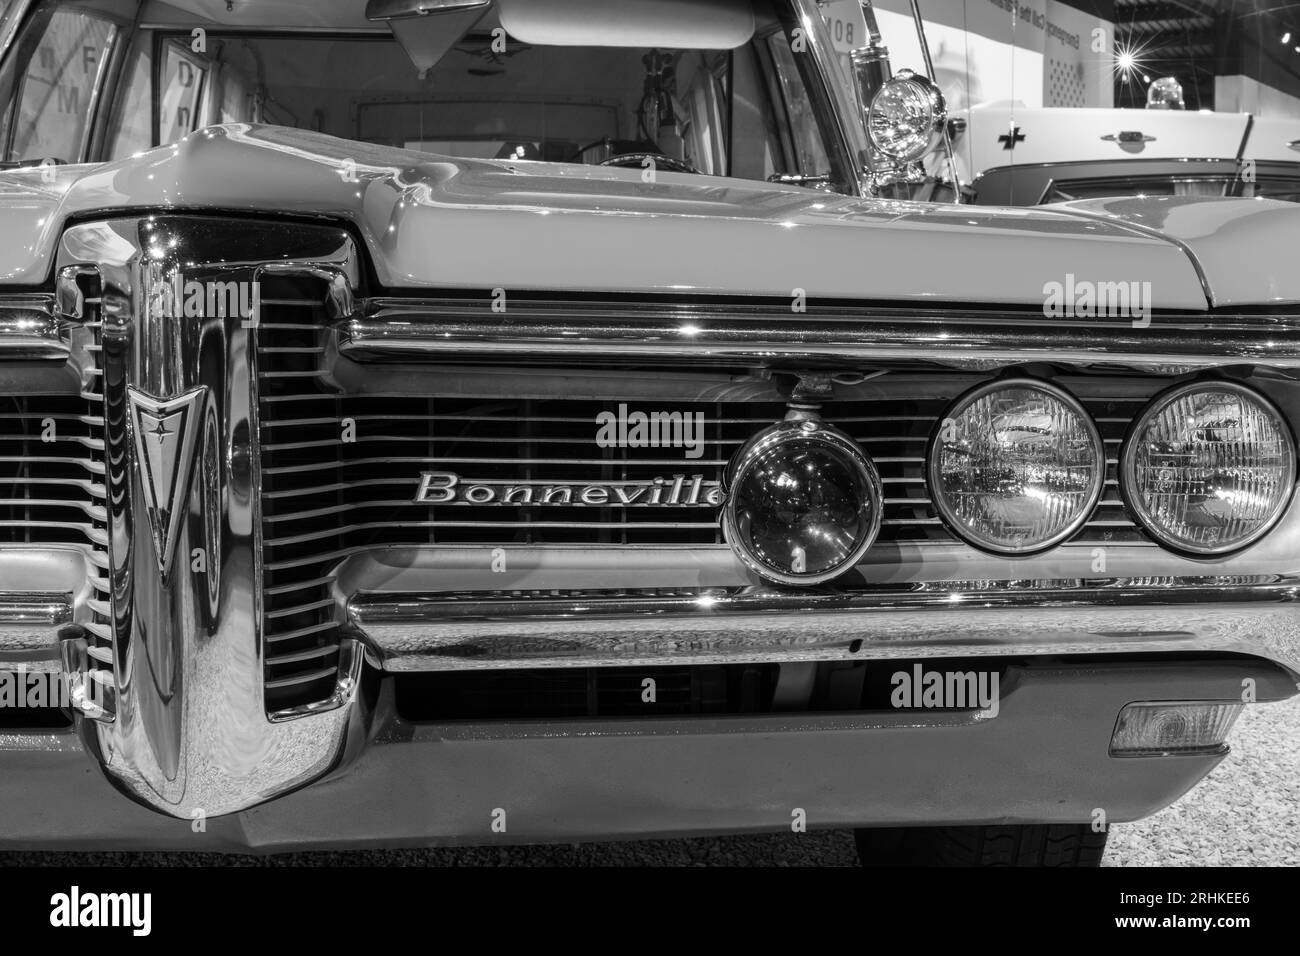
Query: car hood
x,y
1244,248
433,222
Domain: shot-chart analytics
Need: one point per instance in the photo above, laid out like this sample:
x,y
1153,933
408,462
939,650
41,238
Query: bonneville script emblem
x,y
447,487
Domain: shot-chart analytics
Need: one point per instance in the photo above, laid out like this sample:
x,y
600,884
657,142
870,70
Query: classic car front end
x,y
362,493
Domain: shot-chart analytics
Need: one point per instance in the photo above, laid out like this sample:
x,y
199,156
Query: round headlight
x,y
803,502
1209,467
905,115
1016,466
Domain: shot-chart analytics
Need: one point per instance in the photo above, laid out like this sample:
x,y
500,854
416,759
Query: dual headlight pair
x,y
1016,467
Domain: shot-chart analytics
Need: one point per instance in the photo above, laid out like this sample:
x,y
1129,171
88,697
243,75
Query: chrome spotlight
x,y
803,502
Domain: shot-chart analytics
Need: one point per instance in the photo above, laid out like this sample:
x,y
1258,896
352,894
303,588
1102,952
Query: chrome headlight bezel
x,y
763,444
934,479
931,130
1128,469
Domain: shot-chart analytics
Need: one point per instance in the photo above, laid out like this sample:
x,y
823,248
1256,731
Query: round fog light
x,y
803,503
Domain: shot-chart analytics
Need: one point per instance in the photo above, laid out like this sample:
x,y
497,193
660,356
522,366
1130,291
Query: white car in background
x,y
1010,155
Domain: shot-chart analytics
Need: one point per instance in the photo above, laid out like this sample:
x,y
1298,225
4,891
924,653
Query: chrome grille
x,y
340,471
299,629
52,469
105,415
330,495
53,475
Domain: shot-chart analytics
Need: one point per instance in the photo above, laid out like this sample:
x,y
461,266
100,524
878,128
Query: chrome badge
x,y
447,487
164,433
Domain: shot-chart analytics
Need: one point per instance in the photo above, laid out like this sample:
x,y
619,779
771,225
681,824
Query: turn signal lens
x,y
1149,729
1209,468
1016,467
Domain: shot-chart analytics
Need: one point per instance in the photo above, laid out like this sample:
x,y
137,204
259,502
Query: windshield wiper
x,y
819,181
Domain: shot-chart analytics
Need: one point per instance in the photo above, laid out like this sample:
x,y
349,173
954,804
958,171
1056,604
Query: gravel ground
x,y
1246,813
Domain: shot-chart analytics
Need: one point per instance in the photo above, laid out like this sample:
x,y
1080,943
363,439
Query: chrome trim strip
x,y
46,589
29,626
850,136
418,632
43,608
392,329
15,18
29,330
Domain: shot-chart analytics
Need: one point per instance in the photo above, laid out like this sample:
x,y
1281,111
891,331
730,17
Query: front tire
x,y
1059,844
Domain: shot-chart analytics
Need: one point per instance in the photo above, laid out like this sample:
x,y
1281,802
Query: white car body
x,y
998,136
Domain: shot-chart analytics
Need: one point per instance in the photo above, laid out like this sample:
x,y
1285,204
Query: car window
x,y
717,112
181,84
61,73
809,153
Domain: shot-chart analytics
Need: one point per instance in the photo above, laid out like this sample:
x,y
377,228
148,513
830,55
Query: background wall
x,y
1229,55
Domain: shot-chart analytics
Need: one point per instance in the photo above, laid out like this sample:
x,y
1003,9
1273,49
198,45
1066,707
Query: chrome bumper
x,y
1258,617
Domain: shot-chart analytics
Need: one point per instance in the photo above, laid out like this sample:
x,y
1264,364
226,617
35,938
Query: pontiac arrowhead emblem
x,y
164,433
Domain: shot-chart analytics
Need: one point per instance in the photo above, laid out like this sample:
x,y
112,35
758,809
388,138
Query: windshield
x,y
83,83
1057,100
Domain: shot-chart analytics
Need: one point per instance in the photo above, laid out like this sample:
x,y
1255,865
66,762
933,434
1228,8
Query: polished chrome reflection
x,y
907,116
1246,615
188,728
164,433
404,330
803,502
29,330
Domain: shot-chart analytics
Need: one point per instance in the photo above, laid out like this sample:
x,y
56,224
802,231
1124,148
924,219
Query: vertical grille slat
x,y
53,475
299,629
51,452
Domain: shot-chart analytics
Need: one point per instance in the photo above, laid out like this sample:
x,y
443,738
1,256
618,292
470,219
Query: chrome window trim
x,y
850,137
